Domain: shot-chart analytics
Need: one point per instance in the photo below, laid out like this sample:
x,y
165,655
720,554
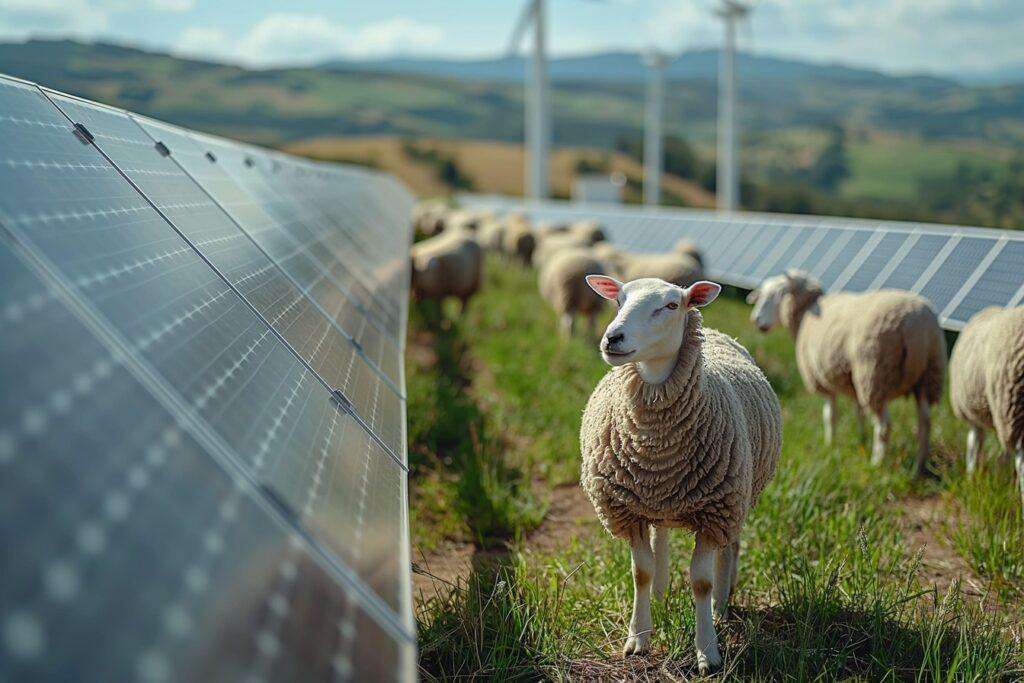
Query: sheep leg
x,y
1018,460
566,324
701,577
724,558
924,430
659,544
640,627
735,565
860,418
828,416
975,442
882,432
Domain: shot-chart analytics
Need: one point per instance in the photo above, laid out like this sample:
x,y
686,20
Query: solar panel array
x,y
960,270
202,423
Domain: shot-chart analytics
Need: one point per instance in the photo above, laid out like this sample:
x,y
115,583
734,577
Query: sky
x,y
938,36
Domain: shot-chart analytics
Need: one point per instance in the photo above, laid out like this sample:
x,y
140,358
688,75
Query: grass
x,y
829,586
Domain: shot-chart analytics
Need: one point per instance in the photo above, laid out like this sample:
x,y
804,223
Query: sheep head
x,y
652,316
771,297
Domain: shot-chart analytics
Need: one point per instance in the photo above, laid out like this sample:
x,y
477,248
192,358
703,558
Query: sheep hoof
x,y
639,644
708,660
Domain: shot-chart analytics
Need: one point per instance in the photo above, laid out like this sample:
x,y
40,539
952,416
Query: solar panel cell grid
x,y
850,249
913,264
284,236
997,285
104,489
947,280
879,257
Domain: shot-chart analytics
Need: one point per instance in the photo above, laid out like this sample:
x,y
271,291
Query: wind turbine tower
x,y
538,112
653,153
728,181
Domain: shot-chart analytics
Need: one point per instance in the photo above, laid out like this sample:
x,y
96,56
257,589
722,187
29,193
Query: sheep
x,y
587,231
688,248
561,283
555,243
427,217
871,346
684,431
679,269
519,242
491,234
986,382
547,228
449,264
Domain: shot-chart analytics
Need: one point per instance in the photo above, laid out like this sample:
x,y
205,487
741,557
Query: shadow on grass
x,y
449,432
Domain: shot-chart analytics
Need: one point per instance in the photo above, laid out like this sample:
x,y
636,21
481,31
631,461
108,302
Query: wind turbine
x,y
653,155
728,182
538,113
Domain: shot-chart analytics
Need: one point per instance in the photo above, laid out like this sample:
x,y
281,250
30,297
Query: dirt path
x,y
569,516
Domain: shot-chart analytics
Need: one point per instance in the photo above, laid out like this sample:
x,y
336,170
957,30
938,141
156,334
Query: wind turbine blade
x,y
522,26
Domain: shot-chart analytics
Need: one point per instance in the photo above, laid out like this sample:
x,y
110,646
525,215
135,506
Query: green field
x,y
890,167
847,572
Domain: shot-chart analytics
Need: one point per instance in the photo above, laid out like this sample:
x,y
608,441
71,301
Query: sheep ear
x,y
701,293
752,297
608,287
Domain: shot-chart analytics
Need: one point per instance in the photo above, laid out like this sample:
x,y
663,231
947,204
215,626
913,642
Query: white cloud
x,y
203,42
303,38
23,18
897,34
398,35
172,5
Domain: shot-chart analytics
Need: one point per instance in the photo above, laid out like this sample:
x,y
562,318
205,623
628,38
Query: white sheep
x,y
986,382
871,346
688,248
519,242
554,243
491,234
449,264
677,268
589,231
561,283
684,431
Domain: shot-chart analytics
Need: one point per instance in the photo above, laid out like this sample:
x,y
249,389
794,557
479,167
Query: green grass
x,y
891,167
828,588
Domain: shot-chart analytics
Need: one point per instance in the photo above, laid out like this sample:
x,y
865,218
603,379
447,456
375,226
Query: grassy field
x,y
847,572
491,166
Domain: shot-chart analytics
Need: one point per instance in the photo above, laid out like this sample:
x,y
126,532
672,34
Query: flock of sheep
x,y
685,430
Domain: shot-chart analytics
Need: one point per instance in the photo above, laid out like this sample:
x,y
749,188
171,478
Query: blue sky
x,y
896,35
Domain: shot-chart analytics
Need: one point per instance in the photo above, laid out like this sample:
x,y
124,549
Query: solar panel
x,y
831,272
104,489
194,331
997,285
342,309
921,255
953,272
880,255
959,269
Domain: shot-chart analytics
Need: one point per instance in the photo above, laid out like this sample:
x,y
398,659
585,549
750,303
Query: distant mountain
x,y
596,98
628,67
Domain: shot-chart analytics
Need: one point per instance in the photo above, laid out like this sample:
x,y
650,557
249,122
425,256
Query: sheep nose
x,y
614,338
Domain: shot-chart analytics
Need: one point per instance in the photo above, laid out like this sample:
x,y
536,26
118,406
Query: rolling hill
x,y
483,100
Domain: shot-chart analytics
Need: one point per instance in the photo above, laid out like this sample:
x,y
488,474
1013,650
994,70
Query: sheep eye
x,y
672,306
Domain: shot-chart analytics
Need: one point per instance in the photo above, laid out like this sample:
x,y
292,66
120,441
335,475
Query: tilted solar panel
x,y
188,422
959,269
